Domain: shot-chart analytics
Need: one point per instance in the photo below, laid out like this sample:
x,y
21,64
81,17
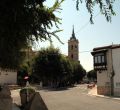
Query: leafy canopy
x,y
50,65
105,6
21,23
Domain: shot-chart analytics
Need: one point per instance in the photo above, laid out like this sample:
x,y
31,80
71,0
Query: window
x,y
99,58
100,61
95,59
103,59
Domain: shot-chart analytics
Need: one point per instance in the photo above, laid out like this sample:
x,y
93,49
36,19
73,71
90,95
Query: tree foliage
x,y
51,67
105,6
92,75
21,74
22,22
78,72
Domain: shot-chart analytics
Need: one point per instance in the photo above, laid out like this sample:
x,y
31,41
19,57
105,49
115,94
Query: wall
x,y
103,83
103,77
116,66
5,99
8,77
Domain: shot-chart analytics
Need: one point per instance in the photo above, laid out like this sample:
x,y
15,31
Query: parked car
x,y
91,85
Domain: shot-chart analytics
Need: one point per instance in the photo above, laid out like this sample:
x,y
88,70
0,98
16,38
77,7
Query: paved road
x,y
77,99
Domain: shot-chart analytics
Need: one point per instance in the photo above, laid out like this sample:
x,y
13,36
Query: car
x,y
91,85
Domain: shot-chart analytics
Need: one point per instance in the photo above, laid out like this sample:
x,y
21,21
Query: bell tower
x,y
73,47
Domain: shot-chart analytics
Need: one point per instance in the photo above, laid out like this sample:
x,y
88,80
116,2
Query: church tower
x,y
73,47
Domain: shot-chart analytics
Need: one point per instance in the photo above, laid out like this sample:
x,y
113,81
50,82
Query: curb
x,y
103,96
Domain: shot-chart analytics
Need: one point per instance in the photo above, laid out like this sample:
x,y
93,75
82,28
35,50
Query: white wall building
x,y
8,76
107,65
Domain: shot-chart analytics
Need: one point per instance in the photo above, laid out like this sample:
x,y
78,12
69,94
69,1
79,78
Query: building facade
x,y
73,47
8,76
107,64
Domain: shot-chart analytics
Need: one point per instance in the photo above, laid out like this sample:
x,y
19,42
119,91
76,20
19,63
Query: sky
x,y
101,33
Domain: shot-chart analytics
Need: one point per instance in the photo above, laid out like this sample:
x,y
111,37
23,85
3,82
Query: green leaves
x,y
105,6
22,22
54,67
56,6
92,74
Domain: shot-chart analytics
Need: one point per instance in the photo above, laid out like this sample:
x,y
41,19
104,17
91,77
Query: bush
x,y
24,90
25,98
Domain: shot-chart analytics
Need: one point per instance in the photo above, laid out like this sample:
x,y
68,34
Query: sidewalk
x,y
93,92
16,99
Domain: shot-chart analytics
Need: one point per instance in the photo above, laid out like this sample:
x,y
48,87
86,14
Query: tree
x,y
78,72
21,74
105,6
51,67
22,22
92,75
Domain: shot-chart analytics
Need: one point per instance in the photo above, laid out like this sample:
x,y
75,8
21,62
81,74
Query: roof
x,y
73,35
98,51
104,48
107,47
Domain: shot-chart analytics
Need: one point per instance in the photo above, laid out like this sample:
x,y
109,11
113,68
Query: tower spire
x,y
73,34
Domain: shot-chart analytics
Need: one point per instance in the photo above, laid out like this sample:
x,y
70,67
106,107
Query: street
x,y
77,99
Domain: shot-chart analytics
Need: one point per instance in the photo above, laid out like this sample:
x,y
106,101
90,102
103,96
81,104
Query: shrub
x,y
24,90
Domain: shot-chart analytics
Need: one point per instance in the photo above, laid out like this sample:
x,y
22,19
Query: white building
x,y
107,65
8,76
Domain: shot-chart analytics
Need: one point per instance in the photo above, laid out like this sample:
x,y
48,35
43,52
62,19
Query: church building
x,y
73,47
